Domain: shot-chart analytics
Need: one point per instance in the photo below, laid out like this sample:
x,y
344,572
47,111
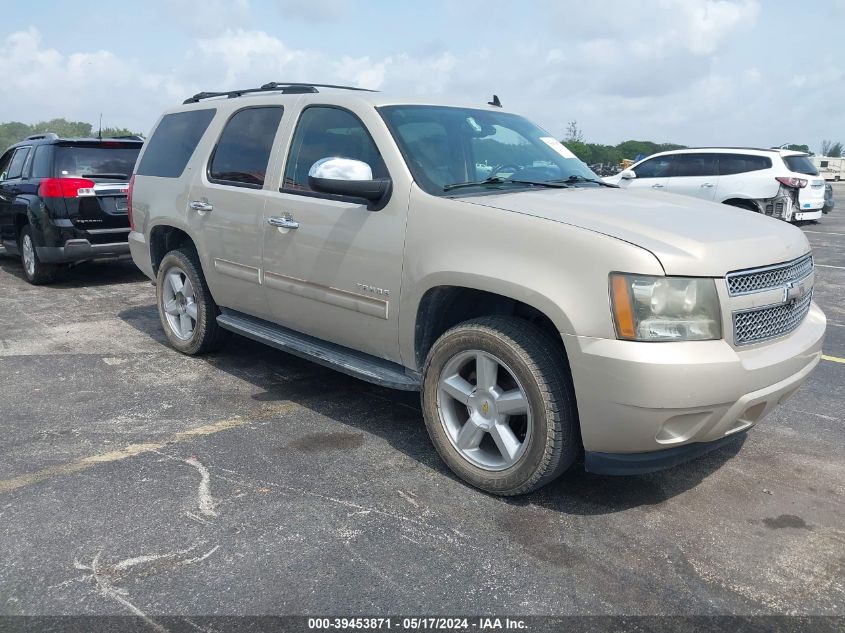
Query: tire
x,y
35,271
544,422
187,311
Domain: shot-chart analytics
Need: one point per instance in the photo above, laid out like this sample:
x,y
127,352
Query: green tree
x,y
14,131
573,133
797,148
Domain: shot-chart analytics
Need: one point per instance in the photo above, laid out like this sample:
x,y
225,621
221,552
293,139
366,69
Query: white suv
x,y
780,183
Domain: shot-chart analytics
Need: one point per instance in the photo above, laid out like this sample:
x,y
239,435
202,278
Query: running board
x,y
348,361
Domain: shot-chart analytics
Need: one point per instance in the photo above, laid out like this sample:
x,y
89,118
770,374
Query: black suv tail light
x,y
66,188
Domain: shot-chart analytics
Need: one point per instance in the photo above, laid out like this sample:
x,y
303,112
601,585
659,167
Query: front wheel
x,y
188,312
499,405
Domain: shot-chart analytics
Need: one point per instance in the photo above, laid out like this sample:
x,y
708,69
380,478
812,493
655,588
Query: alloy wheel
x,y
484,410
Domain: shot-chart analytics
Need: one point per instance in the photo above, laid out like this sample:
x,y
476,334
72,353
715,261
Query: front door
x,y
335,276
694,175
11,173
652,173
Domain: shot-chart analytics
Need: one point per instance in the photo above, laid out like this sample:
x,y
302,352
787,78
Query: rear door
x,y
227,206
810,197
101,209
694,175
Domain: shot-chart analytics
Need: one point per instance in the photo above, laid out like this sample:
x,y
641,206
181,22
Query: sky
x,y
695,72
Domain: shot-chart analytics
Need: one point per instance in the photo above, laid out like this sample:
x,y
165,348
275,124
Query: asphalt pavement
x,y
135,480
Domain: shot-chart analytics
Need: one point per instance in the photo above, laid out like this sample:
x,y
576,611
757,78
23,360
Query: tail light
x,y
66,188
789,181
129,202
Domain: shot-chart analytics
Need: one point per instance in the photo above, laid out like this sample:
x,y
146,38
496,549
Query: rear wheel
x,y
499,405
188,312
34,270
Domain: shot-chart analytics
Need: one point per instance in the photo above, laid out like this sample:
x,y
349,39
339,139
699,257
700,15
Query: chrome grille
x,y
760,324
768,278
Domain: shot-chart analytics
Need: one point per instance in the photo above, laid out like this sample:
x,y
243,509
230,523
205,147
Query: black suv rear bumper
x,y
79,250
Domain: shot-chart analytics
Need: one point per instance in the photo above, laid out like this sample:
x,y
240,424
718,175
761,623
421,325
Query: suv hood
x,y
688,236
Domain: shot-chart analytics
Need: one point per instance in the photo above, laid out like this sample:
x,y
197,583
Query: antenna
x,y
100,131
495,102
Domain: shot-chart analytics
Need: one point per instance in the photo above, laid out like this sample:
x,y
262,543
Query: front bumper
x,y
644,397
81,250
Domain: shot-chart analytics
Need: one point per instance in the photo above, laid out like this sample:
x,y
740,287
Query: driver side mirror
x,y
352,178
627,174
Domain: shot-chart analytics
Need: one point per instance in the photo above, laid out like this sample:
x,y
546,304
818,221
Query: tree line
x,y
594,153
14,131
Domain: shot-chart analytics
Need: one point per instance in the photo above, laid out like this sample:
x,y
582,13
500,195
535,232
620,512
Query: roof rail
x,y
127,137
273,86
35,137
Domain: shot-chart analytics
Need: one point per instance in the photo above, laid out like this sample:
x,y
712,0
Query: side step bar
x,y
348,361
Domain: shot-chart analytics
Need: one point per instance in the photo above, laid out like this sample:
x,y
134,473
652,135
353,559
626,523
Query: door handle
x,y
286,222
657,186
707,185
201,206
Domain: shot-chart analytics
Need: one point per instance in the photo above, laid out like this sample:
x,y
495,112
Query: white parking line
x,y
824,233
829,266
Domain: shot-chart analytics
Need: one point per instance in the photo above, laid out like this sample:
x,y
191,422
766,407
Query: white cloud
x,y
660,69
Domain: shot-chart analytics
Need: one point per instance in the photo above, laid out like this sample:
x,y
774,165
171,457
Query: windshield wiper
x,y
497,180
112,176
575,178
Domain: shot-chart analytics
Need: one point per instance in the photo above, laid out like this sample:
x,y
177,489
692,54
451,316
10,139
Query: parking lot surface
x,y
135,480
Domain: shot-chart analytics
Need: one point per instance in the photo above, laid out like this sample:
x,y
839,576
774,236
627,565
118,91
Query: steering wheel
x,y
504,166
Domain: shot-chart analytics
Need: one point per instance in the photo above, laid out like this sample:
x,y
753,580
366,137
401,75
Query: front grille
x,y
768,278
760,324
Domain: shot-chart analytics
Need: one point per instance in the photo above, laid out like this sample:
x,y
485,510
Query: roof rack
x,y
126,137
36,137
273,86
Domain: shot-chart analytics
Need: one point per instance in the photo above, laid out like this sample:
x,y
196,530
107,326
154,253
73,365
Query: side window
x,y
16,166
4,164
243,151
173,143
730,164
324,132
41,162
687,165
654,167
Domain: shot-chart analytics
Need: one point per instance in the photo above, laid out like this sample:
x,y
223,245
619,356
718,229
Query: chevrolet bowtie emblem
x,y
793,291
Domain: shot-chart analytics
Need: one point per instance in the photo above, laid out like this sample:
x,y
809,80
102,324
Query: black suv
x,y
64,200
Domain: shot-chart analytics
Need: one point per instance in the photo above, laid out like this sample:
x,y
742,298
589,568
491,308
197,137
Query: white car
x,y
776,182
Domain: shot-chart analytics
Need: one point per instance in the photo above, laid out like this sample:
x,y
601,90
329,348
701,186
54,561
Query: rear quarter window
x,y
730,164
801,165
173,143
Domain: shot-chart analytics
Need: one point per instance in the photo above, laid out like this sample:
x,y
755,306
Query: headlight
x,y
647,308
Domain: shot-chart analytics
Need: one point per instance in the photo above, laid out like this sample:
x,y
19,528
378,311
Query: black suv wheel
x,y
34,270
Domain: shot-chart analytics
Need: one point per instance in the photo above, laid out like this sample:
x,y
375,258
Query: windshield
x,y
446,146
801,165
91,161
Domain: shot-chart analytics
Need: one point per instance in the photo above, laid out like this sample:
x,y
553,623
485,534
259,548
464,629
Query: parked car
x,y
539,311
63,201
781,183
829,203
